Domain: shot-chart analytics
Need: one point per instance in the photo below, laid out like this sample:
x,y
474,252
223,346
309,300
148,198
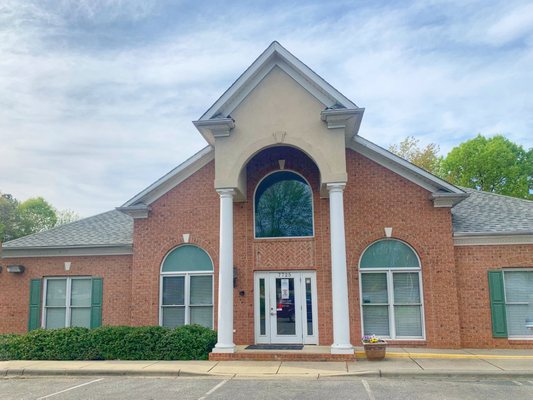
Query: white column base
x,y
224,348
342,349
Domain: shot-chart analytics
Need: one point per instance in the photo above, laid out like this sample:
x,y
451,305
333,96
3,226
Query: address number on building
x,y
284,275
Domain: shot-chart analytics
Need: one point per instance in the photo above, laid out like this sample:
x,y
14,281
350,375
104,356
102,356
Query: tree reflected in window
x,y
283,206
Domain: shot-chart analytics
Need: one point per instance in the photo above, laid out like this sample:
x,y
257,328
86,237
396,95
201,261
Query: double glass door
x,y
285,307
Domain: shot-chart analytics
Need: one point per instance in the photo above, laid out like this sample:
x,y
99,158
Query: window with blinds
x,y
518,286
391,299
67,302
187,288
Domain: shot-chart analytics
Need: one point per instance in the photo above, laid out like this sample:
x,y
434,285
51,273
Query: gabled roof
x,y
107,233
484,213
439,187
274,56
170,180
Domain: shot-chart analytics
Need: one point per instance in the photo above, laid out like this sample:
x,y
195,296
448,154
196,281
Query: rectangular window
x,y
391,304
67,302
187,299
518,287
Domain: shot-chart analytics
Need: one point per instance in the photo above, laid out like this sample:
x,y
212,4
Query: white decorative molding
x,y
67,265
29,252
446,200
336,187
138,211
481,239
388,232
186,237
281,164
279,136
217,127
348,119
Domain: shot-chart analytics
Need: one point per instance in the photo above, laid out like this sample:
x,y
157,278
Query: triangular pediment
x,y
275,56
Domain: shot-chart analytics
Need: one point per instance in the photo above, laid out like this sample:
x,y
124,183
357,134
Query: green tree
x,y
9,217
66,217
426,158
491,164
36,215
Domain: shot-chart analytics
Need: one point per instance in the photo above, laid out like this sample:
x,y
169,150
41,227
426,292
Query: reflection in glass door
x,y
285,307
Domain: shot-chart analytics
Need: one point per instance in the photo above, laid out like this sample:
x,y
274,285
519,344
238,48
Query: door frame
x,y
300,277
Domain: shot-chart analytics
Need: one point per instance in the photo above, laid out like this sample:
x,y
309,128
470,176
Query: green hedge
x,y
191,342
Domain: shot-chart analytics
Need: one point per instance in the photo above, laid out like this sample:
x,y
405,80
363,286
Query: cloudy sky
x,y
97,96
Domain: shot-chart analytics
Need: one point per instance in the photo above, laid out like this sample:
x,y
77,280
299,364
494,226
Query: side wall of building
x,y
473,264
15,288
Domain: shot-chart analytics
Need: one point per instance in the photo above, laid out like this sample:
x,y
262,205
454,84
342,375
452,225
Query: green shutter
x,y
96,303
497,304
34,319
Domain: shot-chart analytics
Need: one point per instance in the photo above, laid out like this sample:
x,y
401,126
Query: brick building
x,y
288,227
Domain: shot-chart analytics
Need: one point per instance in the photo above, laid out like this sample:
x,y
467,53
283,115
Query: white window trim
x,y
514,337
68,300
390,293
187,290
312,207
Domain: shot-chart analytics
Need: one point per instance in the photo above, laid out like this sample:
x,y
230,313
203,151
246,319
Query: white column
x,y
339,278
225,275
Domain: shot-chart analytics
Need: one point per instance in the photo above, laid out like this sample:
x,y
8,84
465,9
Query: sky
x,y
97,96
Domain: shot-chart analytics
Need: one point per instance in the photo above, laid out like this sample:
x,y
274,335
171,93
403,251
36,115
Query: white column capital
x,y
226,192
336,187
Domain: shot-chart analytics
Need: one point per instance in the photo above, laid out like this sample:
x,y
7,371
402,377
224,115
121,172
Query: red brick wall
x,y
192,207
376,198
15,288
473,264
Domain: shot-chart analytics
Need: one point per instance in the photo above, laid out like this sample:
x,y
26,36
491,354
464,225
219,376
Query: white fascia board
x,y
276,55
173,178
58,251
492,238
402,167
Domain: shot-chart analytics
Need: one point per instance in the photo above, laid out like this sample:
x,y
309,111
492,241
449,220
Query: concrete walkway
x,y
400,362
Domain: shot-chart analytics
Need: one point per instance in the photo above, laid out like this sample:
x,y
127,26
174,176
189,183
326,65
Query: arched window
x,y
283,206
186,288
391,294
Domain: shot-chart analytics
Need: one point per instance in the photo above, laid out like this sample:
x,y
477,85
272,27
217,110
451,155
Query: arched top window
x,y
186,291
389,253
283,206
187,258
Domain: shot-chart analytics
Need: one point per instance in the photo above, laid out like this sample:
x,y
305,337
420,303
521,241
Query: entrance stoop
x,y
308,353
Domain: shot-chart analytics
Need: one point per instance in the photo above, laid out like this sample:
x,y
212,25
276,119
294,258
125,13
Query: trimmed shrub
x,y
191,342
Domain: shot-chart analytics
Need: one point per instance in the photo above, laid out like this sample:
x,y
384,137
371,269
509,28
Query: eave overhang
x,y
62,251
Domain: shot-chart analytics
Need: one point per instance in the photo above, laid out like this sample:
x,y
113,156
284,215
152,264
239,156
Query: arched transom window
x,y
391,294
186,288
283,206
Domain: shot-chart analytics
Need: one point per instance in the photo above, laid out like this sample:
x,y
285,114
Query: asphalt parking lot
x,y
138,388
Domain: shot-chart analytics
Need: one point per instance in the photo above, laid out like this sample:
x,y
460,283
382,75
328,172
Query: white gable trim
x,y
403,168
172,179
276,55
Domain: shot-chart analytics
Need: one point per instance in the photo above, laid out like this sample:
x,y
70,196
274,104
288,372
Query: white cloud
x,y
87,123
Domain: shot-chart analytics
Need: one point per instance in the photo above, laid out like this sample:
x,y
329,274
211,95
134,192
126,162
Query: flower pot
x,y
375,351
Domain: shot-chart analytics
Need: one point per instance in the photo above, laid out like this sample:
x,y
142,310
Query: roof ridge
x,y
54,228
496,194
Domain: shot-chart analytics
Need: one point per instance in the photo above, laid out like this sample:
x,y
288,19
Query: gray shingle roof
x,y
484,212
106,229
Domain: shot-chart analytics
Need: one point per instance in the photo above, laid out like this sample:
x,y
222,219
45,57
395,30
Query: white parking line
x,y
368,390
517,383
218,386
531,382
72,388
